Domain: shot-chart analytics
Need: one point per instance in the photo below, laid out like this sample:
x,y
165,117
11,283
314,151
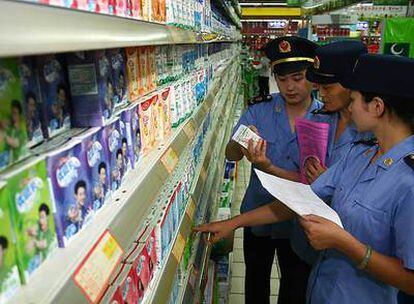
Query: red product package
x,y
151,249
141,268
117,297
129,288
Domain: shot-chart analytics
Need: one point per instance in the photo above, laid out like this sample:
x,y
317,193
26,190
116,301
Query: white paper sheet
x,y
298,197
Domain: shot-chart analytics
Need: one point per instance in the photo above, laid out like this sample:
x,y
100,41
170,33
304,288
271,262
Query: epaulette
x,y
409,160
321,111
367,141
260,99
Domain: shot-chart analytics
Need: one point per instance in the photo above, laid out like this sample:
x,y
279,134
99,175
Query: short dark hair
x,y
119,151
17,105
30,95
80,184
101,166
45,208
124,141
401,106
4,243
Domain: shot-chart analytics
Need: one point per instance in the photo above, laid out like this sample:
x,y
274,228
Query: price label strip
x,y
169,160
189,130
190,209
178,248
93,274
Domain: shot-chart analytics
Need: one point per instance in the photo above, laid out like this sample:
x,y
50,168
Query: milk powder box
x,y
71,190
32,215
92,88
124,128
98,166
13,134
32,100
147,127
116,154
132,68
130,117
56,98
9,273
143,77
117,58
165,97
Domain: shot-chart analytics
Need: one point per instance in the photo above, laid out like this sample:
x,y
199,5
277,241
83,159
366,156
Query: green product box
x,y
13,135
9,274
32,215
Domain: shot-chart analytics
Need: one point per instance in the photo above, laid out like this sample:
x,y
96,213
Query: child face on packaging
x,y
80,196
43,220
61,97
119,160
15,114
57,110
102,175
31,107
124,148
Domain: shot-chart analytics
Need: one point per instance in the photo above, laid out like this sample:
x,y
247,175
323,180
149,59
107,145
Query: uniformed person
x,y
274,120
372,190
333,62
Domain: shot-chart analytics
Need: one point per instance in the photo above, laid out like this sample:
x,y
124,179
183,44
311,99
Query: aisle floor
x,y
238,268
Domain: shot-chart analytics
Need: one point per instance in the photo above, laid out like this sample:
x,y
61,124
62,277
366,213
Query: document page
x,y
297,196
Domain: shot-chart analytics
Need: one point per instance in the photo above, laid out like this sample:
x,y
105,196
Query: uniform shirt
x,y
272,122
336,150
376,205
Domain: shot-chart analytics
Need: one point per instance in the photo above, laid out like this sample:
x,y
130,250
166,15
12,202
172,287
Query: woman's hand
x,y
219,230
313,169
322,233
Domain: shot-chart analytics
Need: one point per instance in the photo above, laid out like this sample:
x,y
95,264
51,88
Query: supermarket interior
x,y
119,122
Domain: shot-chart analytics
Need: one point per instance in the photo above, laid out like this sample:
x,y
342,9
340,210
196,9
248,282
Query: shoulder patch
x,y
367,141
409,160
260,99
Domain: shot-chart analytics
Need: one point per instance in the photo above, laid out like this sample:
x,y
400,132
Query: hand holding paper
x,y
298,197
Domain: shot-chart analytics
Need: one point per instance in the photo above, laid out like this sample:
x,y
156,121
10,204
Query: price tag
x,y
169,160
190,208
93,274
178,248
189,130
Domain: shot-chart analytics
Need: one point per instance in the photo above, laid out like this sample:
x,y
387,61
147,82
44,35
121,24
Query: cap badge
x,y
316,63
388,161
284,47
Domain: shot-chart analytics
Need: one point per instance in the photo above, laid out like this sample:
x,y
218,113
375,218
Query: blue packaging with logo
x,y
32,100
71,190
55,94
92,88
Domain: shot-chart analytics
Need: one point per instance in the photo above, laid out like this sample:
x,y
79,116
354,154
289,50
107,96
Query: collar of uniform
x,y
315,105
397,152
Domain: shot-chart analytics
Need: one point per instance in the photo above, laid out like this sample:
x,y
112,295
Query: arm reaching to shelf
x,y
267,214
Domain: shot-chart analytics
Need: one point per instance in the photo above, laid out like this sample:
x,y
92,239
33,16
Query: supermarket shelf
x,y
29,28
214,191
161,293
123,216
231,15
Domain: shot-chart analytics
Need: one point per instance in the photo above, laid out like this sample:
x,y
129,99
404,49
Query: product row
x,y
197,15
134,283
47,200
42,97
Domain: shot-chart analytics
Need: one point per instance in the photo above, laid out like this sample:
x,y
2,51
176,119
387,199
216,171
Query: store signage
x,y
277,24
